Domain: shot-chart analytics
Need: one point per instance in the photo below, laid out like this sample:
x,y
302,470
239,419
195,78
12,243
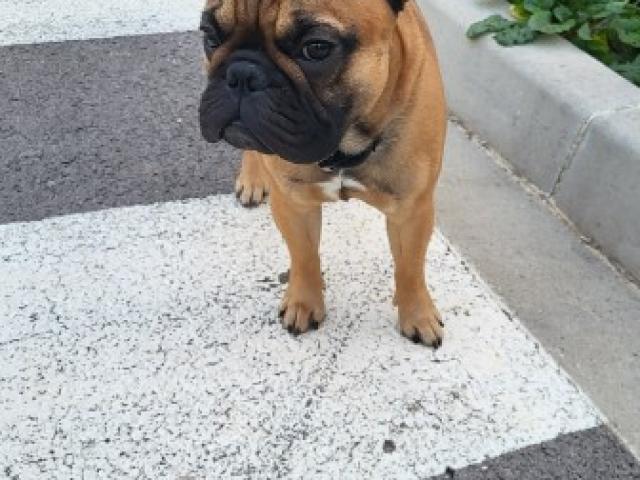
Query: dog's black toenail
x,y
283,278
290,329
441,323
417,338
314,325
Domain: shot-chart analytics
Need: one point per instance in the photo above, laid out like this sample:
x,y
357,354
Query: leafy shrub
x,y
607,29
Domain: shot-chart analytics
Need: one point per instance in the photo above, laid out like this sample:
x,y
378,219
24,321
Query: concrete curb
x,y
564,120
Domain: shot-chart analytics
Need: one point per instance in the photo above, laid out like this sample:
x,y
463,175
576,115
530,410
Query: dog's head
x,y
295,78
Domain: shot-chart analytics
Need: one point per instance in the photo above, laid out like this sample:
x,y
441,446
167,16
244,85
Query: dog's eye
x,y
212,37
317,50
211,42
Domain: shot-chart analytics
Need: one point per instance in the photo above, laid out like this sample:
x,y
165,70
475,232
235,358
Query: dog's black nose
x,y
246,77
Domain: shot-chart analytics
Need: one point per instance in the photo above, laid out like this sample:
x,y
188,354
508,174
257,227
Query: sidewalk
x,y
563,120
584,312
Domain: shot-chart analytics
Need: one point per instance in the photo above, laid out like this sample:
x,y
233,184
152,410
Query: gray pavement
x,y
586,314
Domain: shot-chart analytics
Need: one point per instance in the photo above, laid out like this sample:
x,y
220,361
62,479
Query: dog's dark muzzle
x,y
251,104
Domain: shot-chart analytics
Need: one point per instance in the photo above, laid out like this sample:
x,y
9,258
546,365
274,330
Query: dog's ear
x,y
397,5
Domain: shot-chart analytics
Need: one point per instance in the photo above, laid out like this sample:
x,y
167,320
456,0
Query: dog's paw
x,y
251,192
423,324
302,310
252,183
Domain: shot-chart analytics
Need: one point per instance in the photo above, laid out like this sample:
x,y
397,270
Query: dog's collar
x,y
341,160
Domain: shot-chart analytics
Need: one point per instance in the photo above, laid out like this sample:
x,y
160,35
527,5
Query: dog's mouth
x,y
238,135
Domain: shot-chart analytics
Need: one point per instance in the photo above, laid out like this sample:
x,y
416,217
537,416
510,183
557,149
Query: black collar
x,y
340,160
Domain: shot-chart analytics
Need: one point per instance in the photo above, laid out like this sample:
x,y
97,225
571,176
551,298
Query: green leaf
x,y
534,6
584,32
543,22
562,13
628,30
599,10
616,7
598,46
562,27
494,23
630,71
518,12
517,34
539,21
609,30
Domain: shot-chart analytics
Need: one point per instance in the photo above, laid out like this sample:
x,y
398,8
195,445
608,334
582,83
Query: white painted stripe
x,y
144,343
35,21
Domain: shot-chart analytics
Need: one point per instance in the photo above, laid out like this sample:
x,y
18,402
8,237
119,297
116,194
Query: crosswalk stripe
x,y
37,21
144,340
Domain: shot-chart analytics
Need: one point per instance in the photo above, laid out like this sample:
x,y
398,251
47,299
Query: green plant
x,y
607,29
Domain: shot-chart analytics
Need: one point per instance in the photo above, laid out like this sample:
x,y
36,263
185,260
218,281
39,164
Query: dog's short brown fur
x,y
391,90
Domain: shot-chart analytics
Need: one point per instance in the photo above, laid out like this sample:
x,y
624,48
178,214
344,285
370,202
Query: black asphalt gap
x,y
589,455
87,125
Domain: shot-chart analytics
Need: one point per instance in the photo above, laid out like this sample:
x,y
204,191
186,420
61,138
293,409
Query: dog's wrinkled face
x,y
295,78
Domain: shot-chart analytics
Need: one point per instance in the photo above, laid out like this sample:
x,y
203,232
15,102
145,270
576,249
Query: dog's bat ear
x,y
397,5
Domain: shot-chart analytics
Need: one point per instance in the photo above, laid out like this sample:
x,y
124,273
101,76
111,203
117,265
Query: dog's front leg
x,y
302,307
252,182
409,229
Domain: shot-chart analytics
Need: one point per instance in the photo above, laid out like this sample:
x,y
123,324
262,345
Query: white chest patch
x,y
333,187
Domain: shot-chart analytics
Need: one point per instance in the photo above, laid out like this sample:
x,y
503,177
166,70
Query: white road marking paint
x,y
144,343
36,21
332,188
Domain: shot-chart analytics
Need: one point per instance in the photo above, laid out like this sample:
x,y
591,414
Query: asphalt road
x,y
104,123
141,342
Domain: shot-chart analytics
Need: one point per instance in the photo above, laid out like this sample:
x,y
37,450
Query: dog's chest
x,y
339,186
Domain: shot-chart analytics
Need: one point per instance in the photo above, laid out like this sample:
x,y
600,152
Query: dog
x,y
331,100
